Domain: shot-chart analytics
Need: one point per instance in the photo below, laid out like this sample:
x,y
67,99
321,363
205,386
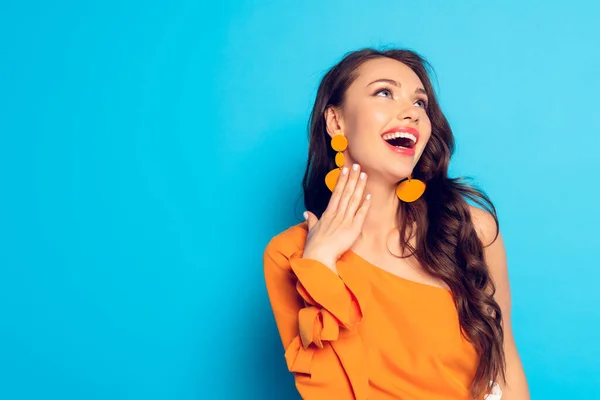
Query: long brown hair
x,y
447,245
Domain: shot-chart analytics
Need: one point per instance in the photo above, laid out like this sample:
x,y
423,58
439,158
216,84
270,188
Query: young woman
x,y
394,287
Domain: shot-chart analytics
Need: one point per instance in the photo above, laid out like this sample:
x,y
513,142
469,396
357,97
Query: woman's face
x,y
383,109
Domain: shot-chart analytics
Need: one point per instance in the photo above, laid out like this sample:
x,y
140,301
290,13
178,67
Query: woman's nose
x,y
409,112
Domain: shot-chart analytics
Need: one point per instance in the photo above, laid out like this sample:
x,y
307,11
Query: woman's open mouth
x,y
401,140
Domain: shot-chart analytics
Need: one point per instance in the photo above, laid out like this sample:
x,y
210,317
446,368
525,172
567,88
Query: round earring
x,y
410,189
339,143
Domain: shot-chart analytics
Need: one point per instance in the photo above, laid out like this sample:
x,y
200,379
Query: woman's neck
x,y
382,217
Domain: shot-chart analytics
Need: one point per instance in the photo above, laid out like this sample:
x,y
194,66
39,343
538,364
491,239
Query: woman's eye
x,y
422,103
384,91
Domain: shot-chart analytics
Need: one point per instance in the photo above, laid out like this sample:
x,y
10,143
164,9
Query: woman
x,y
395,287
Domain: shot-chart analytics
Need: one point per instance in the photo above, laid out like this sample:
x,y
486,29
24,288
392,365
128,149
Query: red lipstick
x,y
402,150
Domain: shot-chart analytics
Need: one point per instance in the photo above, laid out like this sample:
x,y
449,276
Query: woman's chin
x,y
396,175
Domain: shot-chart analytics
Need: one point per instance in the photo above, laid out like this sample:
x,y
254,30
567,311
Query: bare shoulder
x,y
494,252
485,225
287,242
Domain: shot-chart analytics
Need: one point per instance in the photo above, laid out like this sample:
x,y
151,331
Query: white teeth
x,y
394,135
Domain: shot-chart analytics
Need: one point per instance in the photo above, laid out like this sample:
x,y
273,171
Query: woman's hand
x,y
341,223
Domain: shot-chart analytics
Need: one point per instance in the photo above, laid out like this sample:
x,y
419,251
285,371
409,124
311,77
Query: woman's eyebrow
x,y
390,81
397,84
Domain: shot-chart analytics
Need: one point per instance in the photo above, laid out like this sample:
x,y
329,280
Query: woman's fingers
x,y
334,201
357,196
348,192
337,228
359,218
311,219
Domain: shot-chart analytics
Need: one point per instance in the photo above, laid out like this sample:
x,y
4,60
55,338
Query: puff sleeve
x,y
317,313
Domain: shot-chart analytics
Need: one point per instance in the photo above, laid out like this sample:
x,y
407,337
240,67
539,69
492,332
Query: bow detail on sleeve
x,y
331,316
315,326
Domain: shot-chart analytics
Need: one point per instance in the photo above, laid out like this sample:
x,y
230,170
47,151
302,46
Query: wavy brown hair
x,y
447,245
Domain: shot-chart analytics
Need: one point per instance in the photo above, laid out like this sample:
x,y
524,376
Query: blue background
x,y
149,151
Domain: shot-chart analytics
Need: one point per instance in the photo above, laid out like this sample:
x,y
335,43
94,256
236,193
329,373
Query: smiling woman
x,y
395,287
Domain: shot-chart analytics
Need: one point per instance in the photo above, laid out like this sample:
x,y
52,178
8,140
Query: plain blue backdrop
x,y
149,151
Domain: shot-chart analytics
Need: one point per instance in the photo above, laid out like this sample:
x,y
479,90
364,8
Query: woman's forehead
x,y
386,68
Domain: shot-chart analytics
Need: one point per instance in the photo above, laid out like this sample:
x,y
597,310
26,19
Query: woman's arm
x,y
317,312
317,305
516,387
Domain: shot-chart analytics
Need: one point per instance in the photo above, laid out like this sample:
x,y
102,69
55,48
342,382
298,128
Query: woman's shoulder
x,y
288,241
485,225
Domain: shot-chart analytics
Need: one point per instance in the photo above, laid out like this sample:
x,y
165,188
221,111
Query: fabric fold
x,y
331,316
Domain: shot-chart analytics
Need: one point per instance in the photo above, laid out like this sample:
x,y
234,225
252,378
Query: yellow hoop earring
x,y
410,190
339,143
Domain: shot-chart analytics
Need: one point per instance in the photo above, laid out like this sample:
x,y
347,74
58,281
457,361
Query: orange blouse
x,y
365,333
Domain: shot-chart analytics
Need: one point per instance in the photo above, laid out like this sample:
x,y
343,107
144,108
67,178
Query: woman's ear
x,y
333,121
